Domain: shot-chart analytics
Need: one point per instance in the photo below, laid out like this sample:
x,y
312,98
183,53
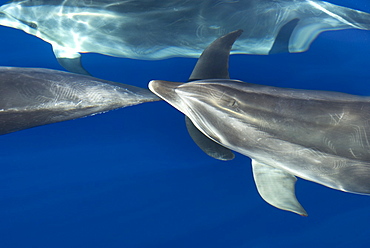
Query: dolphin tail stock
x,y
212,64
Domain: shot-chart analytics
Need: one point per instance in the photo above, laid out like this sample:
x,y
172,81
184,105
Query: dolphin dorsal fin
x,y
214,61
213,64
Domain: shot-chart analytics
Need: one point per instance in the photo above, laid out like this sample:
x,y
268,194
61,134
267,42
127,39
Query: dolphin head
x,y
14,15
204,102
42,19
167,91
219,93
187,99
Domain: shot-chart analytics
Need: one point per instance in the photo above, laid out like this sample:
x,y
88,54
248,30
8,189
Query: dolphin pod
x,y
31,97
147,29
315,135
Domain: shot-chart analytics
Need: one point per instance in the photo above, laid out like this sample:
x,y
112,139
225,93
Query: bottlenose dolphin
x,y
31,97
147,29
316,135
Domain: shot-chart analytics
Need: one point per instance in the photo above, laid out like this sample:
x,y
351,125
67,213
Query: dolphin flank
x,y
316,135
147,29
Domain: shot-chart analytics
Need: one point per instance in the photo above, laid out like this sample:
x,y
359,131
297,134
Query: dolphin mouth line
x,y
181,104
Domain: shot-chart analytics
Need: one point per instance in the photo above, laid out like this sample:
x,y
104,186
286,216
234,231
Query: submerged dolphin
x,y
320,136
31,97
147,29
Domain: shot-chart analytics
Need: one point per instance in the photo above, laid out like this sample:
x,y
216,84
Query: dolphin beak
x,y
164,89
9,21
3,18
167,91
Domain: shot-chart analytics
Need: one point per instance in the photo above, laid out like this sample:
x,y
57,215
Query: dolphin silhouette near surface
x,y
31,97
147,29
316,135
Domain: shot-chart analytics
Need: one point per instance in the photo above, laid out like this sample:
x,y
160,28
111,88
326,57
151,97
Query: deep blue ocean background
x,y
133,177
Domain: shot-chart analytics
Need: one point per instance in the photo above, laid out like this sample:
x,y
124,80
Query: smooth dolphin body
x,y
32,97
320,136
147,29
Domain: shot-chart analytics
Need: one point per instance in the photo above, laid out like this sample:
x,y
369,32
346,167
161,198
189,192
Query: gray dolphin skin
x,y
319,136
147,29
31,97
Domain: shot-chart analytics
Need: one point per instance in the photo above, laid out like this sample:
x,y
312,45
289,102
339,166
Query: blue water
x,y
133,178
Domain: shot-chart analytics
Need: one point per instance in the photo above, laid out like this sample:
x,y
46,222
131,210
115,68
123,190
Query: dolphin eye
x,y
233,103
228,101
30,24
33,25
223,99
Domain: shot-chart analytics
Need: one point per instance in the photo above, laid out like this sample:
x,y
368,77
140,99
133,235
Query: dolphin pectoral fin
x,y
281,44
214,61
73,65
207,145
71,61
277,187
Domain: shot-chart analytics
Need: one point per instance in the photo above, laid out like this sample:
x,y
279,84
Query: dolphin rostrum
x,y
147,29
31,97
319,136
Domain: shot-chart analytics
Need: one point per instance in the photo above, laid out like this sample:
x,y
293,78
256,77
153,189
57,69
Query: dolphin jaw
x,y
175,94
168,92
9,21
